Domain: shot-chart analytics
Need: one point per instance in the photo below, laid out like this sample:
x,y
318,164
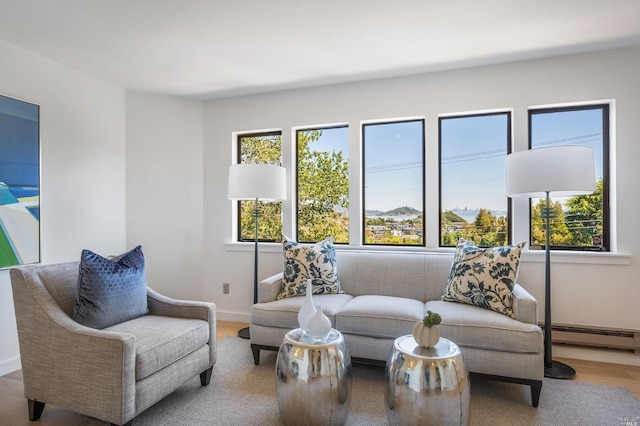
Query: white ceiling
x,y
216,48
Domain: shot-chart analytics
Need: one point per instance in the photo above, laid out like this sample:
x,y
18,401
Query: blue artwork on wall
x,y
19,182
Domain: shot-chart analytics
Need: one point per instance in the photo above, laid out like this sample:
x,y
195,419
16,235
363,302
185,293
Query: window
x,y
323,184
473,149
393,182
252,149
581,222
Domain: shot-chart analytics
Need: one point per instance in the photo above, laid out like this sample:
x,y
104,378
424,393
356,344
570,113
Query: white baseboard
x,y
233,316
612,356
10,365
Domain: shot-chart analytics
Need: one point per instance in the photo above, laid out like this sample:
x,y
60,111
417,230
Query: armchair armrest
x,y
269,288
525,306
160,304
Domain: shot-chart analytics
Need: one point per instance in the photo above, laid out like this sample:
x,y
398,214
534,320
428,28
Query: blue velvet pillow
x,y
110,291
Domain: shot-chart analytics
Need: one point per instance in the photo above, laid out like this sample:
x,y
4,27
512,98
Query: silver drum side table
x,y
313,379
426,386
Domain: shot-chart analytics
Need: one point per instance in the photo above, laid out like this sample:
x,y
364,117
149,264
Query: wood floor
x,y
13,406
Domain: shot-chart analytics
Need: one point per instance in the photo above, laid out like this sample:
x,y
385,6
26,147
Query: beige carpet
x,y
241,393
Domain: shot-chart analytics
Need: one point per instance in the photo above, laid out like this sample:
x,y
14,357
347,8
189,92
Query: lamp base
x,y
244,333
559,370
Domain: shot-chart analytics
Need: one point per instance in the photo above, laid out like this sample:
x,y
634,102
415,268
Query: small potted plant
x,y
426,332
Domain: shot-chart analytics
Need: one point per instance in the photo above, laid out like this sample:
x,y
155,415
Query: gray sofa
x,y
387,293
111,374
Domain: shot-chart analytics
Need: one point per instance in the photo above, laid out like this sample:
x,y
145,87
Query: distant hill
x,y
451,217
403,211
398,211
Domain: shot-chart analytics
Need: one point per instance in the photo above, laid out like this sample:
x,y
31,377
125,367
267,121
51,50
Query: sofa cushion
x,y
284,312
160,341
110,291
316,262
379,316
484,276
473,326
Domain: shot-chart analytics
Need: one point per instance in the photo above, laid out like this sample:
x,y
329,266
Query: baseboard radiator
x,y
596,336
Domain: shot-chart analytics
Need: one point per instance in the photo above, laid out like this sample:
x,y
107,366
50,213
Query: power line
x,y
483,155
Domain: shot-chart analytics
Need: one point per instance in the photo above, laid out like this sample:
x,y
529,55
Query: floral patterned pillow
x,y
316,262
484,276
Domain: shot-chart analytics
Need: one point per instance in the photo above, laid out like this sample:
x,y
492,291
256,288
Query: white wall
x,y
82,144
585,291
177,154
164,190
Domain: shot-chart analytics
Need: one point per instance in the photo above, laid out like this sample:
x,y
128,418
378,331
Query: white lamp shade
x,y
561,170
257,181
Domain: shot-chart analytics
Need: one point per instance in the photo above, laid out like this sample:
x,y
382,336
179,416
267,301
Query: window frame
x,y
239,137
509,115
297,163
364,184
606,146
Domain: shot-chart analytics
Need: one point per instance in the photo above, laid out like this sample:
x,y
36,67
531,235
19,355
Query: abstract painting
x,y
19,182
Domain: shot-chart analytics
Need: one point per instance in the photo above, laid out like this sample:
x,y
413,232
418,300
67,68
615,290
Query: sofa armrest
x,y
269,288
525,306
160,304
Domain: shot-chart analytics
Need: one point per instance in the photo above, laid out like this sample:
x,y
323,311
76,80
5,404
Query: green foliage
x,y
574,224
256,150
431,319
323,191
380,230
560,234
585,216
451,217
486,230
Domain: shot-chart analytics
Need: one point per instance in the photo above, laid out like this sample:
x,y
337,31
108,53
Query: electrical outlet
x,y
225,288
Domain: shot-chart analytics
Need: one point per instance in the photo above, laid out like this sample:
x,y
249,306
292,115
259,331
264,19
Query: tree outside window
x,y
579,222
259,148
323,184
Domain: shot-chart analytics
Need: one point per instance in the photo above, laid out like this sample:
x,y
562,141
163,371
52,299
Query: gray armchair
x,y
111,374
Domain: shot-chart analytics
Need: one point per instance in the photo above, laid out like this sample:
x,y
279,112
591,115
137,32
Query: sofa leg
x,y
129,423
35,409
205,376
535,393
256,356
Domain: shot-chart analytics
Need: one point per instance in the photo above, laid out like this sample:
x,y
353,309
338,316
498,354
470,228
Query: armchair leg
x,y
205,376
35,409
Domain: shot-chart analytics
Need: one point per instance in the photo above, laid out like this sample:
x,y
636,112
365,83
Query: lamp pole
x,y
548,359
244,332
552,369
256,215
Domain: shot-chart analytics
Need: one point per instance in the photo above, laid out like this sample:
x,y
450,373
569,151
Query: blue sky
x,y
393,155
582,128
473,151
393,171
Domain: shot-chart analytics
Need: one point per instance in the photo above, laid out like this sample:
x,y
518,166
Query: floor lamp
x,y
561,171
257,182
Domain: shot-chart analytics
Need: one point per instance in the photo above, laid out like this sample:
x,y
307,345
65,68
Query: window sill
x,y
575,257
593,258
